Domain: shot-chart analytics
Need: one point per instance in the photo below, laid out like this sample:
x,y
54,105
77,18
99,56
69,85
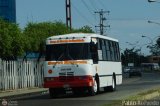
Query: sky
x,y
128,19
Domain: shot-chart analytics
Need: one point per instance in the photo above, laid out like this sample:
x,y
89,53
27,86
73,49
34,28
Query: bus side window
x,y
94,52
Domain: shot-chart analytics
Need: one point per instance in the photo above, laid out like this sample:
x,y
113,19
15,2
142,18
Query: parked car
x,y
132,71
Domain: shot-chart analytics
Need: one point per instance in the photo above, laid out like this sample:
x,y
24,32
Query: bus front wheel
x,y
53,92
93,89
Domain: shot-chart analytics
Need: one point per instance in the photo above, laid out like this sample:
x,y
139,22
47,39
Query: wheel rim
x,y
95,86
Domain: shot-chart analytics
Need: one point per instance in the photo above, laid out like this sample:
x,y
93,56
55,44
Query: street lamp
x,y
153,22
151,1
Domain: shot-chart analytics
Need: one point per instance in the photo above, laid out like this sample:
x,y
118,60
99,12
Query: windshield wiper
x,y
58,59
69,56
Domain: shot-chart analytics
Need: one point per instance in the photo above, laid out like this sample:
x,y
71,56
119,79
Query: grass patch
x,y
147,95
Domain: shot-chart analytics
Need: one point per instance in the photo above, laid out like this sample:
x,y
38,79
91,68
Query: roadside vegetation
x,y
16,42
143,96
135,56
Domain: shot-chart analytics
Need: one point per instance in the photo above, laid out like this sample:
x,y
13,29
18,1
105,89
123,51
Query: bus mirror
x,y
94,52
93,47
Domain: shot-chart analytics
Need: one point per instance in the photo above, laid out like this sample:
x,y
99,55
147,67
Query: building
x,y
154,59
8,10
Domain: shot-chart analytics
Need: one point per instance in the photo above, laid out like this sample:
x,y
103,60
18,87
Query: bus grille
x,y
66,76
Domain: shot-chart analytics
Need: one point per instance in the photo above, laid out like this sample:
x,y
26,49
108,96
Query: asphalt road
x,y
130,86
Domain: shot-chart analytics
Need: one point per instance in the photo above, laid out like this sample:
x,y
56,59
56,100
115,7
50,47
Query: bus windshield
x,y
71,51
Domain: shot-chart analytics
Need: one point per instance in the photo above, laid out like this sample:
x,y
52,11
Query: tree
x,y
11,40
36,34
84,29
155,49
158,42
132,56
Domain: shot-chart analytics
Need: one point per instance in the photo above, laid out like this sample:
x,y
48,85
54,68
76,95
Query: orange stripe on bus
x,y
75,62
65,41
53,63
68,62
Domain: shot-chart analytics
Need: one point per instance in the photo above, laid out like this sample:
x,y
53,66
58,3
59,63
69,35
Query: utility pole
x,y
102,19
68,15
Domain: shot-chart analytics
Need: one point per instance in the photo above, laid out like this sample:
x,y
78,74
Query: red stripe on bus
x,y
75,81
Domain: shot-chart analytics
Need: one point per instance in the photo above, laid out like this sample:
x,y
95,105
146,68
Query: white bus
x,y
82,63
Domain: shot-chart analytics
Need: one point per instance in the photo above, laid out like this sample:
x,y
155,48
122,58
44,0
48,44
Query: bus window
x,y
104,50
99,44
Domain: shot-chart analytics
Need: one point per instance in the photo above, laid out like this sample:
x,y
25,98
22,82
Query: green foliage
x,y
36,34
11,40
85,29
14,43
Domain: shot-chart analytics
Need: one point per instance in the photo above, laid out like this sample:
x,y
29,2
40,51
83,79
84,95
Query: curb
x,y
18,94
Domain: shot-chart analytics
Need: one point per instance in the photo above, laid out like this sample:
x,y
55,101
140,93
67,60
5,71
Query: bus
x,y
80,62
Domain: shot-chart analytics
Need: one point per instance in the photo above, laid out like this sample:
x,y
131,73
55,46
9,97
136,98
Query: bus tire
x,y
53,92
113,86
93,90
79,91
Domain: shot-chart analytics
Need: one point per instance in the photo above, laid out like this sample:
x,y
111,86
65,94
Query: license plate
x,y
66,86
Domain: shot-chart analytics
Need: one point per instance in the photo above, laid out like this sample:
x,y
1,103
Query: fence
x,y
20,74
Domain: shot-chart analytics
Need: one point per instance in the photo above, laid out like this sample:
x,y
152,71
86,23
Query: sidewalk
x,y
22,92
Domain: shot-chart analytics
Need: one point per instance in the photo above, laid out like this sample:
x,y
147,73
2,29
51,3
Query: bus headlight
x,y
50,71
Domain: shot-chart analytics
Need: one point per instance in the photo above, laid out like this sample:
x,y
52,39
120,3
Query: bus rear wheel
x,y
113,87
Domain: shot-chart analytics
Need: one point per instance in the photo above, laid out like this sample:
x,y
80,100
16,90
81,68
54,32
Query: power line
x,y
131,19
85,4
102,4
93,4
83,16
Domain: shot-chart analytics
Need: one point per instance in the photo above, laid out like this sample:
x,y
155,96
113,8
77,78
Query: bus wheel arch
x,y
113,85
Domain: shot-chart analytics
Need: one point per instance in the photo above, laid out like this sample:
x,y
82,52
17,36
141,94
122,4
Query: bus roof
x,y
81,35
